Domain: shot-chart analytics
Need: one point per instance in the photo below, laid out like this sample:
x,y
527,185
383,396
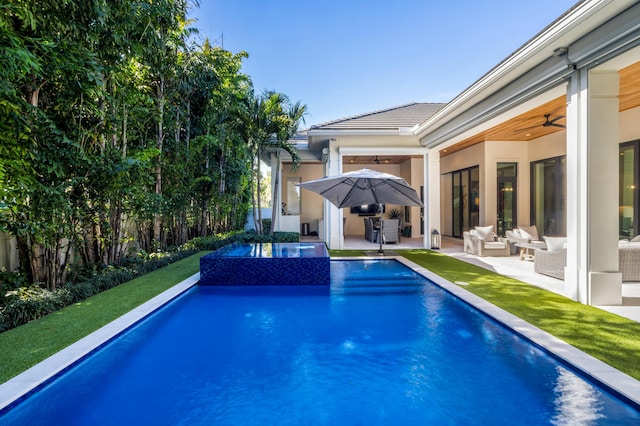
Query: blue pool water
x,y
271,250
382,346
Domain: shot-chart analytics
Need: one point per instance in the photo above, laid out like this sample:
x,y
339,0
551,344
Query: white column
x,y
603,126
332,214
575,277
432,195
592,274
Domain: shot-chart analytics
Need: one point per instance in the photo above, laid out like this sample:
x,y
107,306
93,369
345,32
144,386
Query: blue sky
x,y
348,57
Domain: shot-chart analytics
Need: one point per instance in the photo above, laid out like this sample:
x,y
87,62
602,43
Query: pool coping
x,y
21,385
601,372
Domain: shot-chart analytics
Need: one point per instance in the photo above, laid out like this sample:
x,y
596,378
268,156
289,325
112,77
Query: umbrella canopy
x,y
362,187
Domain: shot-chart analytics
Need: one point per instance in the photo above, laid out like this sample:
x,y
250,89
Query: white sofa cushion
x,y
555,243
530,232
485,233
494,245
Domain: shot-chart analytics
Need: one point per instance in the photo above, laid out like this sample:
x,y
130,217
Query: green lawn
x,y
25,346
606,336
613,339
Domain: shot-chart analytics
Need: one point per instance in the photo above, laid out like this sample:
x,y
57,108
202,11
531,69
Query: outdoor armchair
x,y
390,232
482,242
550,263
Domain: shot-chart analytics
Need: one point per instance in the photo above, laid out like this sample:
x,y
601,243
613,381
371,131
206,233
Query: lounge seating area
x,y
552,261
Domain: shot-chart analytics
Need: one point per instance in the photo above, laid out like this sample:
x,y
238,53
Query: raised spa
x,y
281,264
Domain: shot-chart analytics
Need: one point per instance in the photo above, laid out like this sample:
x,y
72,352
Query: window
x,y
507,197
292,205
465,200
629,199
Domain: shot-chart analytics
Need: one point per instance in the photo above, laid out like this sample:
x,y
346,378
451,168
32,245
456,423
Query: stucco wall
x,y
630,125
486,155
311,202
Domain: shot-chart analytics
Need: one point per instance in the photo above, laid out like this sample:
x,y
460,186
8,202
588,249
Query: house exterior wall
x,y
487,155
311,203
470,157
506,152
630,125
412,170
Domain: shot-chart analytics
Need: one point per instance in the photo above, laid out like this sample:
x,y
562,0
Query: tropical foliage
x,y
119,130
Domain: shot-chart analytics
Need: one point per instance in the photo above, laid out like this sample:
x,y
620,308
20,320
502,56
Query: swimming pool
x,y
360,352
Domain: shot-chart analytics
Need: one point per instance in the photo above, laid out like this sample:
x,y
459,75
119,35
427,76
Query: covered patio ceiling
x,y
534,124
377,159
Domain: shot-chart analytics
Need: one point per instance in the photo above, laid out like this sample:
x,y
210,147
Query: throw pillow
x,y
635,239
555,243
485,233
530,232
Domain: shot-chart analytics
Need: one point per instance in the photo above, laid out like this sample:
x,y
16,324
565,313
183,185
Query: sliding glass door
x,y
548,196
629,198
465,201
507,196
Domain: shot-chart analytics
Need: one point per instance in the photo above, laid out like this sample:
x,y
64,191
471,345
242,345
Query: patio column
x,y
592,274
332,214
431,196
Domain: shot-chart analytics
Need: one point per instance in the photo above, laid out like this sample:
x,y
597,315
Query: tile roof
x,y
408,115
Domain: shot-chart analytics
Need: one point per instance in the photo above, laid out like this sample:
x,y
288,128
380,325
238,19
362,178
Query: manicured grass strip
x,y
25,346
606,336
346,253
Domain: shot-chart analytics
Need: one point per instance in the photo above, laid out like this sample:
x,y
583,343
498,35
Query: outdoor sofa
x,y
552,263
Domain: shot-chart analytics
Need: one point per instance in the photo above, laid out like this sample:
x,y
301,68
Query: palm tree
x,y
289,123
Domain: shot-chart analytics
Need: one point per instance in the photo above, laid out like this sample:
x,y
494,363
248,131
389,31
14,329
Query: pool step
x,y
378,285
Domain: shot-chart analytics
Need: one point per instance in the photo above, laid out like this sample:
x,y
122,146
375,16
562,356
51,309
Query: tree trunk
x,y
157,220
275,199
258,183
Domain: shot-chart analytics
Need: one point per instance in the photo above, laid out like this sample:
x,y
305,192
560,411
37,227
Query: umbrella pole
x,y
381,232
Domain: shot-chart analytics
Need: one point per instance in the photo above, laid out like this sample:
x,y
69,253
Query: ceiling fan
x,y
548,122
378,161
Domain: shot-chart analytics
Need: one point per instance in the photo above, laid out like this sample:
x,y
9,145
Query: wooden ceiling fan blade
x,y
560,117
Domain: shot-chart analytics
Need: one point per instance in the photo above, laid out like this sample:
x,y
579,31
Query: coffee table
x,y
527,249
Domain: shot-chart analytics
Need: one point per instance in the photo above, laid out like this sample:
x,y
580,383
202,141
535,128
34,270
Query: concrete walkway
x,y
509,266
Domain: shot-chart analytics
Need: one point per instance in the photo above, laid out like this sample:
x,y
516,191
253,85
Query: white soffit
x,y
513,112
573,25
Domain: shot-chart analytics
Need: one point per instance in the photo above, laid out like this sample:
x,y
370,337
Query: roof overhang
x,y
329,133
588,32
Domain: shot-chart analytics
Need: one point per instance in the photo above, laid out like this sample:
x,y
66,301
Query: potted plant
x,y
395,214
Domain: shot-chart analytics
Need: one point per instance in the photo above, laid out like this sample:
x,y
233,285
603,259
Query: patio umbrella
x,y
362,187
